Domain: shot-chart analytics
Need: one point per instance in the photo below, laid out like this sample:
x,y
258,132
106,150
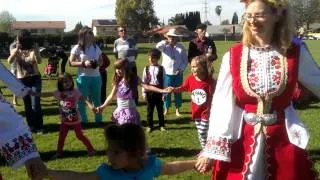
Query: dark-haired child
x,y
123,87
154,75
127,158
68,97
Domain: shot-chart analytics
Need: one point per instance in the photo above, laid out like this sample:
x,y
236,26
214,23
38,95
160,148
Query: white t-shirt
x,y
91,53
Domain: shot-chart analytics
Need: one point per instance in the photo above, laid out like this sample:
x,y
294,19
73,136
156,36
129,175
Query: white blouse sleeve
x,y
12,82
309,72
225,117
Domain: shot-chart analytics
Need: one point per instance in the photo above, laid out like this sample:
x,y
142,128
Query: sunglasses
x,y
122,30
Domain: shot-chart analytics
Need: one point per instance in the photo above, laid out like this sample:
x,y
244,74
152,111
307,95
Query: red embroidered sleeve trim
x,y
220,146
18,148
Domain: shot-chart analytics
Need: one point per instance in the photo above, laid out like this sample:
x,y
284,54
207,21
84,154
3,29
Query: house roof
x,y
104,22
219,29
163,30
38,24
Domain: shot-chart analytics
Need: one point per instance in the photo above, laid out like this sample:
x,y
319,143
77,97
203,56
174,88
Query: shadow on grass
x,y
306,106
50,111
314,154
47,156
49,128
175,152
180,120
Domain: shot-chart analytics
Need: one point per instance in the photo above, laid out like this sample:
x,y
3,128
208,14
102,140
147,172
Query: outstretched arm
x,y
108,100
67,175
177,167
89,104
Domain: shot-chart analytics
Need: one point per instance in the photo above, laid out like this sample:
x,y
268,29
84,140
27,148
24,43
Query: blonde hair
x,y
203,62
283,29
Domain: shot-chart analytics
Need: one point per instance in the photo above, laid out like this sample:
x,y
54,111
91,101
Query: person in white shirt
x,y
16,144
174,61
86,56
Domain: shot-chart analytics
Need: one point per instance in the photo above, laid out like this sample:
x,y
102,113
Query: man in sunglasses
x,y
125,48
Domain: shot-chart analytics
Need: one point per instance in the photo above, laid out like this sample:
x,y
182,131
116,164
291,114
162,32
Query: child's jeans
x,y
64,129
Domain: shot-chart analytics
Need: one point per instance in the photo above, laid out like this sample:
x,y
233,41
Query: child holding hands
x,y
68,97
123,86
201,85
127,158
154,75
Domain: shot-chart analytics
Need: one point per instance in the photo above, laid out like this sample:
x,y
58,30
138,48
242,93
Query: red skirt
x,y
283,160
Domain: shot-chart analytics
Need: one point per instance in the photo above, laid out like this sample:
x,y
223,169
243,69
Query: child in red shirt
x,y
201,85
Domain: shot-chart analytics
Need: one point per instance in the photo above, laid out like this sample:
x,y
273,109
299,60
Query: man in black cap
x,y
202,45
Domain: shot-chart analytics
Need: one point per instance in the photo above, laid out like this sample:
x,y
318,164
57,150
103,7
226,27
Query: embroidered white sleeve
x,y
309,72
12,82
225,117
15,138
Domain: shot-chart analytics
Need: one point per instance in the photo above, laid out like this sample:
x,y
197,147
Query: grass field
x,y
178,143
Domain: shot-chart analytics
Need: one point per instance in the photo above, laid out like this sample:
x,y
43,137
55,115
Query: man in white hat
x,y
174,61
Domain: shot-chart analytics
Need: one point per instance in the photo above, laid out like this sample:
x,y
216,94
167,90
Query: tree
x,y
6,19
218,11
137,14
306,12
225,22
77,27
189,19
235,20
178,19
192,19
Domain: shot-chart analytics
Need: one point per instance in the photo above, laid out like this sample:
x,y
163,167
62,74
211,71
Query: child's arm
x,y
67,175
184,87
89,104
109,98
177,167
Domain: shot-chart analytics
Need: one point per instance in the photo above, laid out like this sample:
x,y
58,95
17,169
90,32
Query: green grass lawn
x,y
178,143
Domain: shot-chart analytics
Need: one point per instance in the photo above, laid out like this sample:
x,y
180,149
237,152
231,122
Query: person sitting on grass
x,y
68,97
154,75
201,85
128,159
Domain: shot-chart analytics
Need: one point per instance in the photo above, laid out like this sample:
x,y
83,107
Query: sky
x,y
73,11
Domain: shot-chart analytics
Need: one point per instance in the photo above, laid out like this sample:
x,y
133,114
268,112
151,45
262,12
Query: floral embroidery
x,y
18,148
260,70
219,146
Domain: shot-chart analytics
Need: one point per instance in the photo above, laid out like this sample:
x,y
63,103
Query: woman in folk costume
x,y
16,144
254,131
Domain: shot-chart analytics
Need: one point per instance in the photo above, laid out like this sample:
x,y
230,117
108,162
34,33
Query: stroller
x,y
51,69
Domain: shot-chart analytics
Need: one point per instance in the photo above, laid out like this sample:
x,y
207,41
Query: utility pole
x,y
205,11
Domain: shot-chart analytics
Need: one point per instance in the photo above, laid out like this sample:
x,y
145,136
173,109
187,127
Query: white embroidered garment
x,y
15,138
226,118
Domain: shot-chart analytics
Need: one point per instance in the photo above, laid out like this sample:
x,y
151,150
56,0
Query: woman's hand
x,y
203,164
36,169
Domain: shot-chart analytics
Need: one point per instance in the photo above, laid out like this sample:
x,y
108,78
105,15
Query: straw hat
x,y
173,32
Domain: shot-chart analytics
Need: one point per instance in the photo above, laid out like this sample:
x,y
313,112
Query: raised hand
x,y
36,169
